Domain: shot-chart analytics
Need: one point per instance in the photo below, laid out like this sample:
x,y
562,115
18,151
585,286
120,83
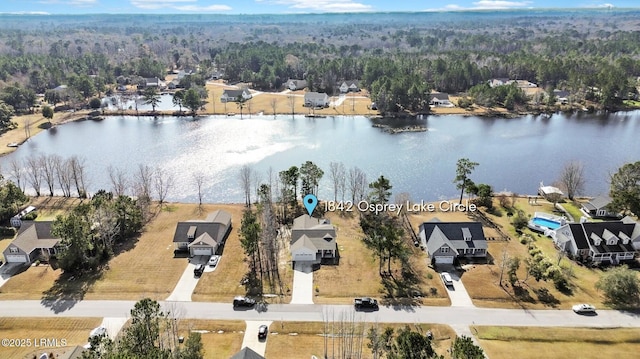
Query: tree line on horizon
x,y
591,57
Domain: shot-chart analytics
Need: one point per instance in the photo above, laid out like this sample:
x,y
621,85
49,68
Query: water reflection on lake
x,y
514,154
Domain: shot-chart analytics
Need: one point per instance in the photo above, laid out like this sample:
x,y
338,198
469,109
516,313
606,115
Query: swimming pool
x,y
544,222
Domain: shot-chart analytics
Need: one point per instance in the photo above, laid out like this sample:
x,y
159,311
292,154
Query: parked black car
x,y
262,332
198,270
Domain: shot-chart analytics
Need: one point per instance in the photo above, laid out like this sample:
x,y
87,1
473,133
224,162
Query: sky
x,y
289,6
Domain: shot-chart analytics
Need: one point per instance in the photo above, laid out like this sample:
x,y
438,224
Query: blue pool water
x,y
543,222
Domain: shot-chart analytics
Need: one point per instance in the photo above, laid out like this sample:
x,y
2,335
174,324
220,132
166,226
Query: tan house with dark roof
x,y
313,240
34,239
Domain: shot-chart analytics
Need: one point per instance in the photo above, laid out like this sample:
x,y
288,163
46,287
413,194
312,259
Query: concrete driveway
x,y
251,336
187,283
302,284
457,293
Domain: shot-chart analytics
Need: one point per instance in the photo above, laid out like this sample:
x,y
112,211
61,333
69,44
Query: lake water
x,y
514,154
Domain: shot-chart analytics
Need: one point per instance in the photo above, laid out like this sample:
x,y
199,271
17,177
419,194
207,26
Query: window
x,y
444,249
13,250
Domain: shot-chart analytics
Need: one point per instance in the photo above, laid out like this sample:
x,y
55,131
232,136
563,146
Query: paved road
x,y
313,312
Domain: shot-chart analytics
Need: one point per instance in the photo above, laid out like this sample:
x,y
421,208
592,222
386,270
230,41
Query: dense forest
x,y
399,58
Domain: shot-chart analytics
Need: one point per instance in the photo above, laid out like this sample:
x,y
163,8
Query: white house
x,y
233,95
294,85
349,86
316,99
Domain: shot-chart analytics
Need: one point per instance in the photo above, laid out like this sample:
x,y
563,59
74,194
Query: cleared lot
x,y
534,343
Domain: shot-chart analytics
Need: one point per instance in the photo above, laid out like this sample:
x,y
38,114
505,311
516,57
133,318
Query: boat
x,y
313,115
12,144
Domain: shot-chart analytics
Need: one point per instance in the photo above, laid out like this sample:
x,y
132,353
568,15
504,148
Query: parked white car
x,y
446,278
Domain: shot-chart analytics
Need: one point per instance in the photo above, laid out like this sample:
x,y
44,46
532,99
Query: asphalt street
x,y
317,313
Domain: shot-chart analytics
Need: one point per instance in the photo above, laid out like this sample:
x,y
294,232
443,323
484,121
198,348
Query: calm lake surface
x,y
514,154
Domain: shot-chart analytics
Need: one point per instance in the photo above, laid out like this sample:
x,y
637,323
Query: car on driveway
x,y
96,332
446,279
213,261
584,308
262,332
198,270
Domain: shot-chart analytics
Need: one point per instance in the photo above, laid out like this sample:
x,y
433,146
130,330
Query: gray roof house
x,y
34,239
153,82
447,240
599,242
313,240
233,95
597,208
247,353
294,85
316,99
349,86
203,237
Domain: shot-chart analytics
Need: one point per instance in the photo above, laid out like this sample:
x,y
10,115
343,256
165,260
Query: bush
x,y
7,231
429,276
30,216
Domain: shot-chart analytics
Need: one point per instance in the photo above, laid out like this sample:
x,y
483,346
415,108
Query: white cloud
x,y
203,8
605,6
180,5
70,2
322,5
485,5
499,4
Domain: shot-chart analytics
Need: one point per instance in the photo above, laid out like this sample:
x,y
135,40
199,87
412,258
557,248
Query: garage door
x,y
444,260
202,251
16,258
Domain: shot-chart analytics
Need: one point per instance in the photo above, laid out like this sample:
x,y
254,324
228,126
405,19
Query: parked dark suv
x,y
243,302
198,270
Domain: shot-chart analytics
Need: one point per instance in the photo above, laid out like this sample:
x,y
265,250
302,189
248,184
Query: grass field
x,y
358,272
64,332
301,340
534,343
220,339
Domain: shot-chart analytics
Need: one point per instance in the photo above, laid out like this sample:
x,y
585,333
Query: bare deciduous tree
x,y
292,103
17,172
78,174
63,173
163,184
357,182
34,174
118,181
198,178
246,174
143,181
48,165
572,178
338,173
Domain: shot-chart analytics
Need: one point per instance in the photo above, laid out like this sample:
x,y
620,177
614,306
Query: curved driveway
x,y
299,312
